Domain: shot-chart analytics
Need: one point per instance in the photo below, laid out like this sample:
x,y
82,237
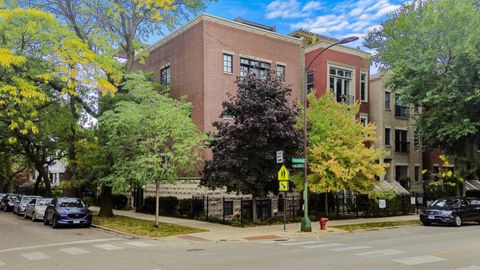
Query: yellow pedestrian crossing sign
x,y
283,174
283,186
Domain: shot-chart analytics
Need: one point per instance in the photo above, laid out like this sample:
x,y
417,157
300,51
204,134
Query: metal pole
x,y
306,225
285,211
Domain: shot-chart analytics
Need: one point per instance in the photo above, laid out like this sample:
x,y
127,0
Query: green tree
x,y
340,154
151,138
432,50
244,158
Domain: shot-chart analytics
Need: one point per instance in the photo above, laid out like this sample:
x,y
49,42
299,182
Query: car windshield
x,y
444,203
43,202
71,203
26,200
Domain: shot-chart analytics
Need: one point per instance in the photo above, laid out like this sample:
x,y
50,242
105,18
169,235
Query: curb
x,y
119,232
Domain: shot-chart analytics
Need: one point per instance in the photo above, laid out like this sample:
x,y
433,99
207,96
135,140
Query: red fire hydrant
x,y
323,223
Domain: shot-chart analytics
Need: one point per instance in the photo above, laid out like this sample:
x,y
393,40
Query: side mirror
x,y
87,206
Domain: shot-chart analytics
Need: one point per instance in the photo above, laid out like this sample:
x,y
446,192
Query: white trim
x,y
366,86
281,64
345,67
401,128
164,66
228,52
402,164
364,117
339,48
255,58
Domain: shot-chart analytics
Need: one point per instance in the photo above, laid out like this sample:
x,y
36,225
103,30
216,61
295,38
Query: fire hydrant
x,y
323,223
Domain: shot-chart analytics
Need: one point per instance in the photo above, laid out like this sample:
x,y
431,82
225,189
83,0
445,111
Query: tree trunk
x,y
37,183
254,210
106,207
157,202
46,180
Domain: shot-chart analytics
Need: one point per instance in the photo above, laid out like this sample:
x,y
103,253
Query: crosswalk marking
x,y
35,256
299,243
419,260
139,244
108,247
74,251
350,248
378,253
471,267
325,245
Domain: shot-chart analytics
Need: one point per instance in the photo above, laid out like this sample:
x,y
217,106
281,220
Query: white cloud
x,y
284,9
312,6
290,9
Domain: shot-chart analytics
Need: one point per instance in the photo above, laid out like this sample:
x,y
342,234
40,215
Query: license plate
x,y
76,222
431,217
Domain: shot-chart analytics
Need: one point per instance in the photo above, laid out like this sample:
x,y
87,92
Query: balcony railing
x,y
348,99
402,147
401,111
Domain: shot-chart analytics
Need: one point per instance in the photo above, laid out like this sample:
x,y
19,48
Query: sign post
x,y
283,186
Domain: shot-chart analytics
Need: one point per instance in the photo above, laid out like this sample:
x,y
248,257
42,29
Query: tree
x,y
244,150
151,138
339,154
432,50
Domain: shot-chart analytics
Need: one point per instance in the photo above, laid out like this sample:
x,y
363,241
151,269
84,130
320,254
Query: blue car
x,y
67,211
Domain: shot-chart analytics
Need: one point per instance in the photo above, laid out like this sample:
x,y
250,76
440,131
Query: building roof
x,y
303,33
259,29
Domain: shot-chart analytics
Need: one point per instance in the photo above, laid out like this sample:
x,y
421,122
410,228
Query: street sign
x,y
283,174
279,156
298,166
382,204
283,186
413,200
298,160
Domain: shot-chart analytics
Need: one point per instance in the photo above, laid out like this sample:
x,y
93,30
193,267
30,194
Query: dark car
x,y
453,211
8,202
21,204
67,211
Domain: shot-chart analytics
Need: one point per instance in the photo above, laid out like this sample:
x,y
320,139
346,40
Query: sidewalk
x,y
220,232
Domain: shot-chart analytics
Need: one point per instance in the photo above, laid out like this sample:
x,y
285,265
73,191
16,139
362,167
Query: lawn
x,y
376,225
142,227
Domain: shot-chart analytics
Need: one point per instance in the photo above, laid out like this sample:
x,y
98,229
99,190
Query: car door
x,y
30,207
50,210
474,205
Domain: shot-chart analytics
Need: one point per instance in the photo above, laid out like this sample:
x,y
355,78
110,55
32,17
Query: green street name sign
x,y
298,166
298,160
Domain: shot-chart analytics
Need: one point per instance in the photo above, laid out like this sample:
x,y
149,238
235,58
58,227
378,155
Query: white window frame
x,y
366,87
231,63
352,83
365,118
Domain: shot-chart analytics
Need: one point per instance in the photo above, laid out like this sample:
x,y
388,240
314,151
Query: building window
x,y
281,72
401,143
228,208
364,120
387,101
387,136
227,63
310,84
401,176
417,173
165,75
363,87
340,85
252,66
400,110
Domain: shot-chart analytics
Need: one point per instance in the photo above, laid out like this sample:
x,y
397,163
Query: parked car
x,y
8,202
453,211
67,211
21,204
36,208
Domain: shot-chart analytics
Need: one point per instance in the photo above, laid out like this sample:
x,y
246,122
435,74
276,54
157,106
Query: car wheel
x,y
25,215
426,223
457,221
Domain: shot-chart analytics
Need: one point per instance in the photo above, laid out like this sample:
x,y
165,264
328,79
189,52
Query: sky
x,y
336,19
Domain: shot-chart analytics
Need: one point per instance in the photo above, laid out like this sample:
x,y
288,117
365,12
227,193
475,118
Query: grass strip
x,y
376,225
142,227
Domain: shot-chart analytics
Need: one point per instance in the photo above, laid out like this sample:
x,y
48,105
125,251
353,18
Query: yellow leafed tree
x,y
340,153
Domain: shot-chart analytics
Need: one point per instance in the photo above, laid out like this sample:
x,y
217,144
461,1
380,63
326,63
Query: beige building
x,y
396,135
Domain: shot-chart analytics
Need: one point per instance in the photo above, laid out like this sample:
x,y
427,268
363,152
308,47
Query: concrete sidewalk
x,y
220,232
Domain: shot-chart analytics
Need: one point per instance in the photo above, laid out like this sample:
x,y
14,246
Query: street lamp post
x,y
306,225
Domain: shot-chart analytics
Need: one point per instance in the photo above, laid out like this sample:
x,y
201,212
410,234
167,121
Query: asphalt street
x,y
25,245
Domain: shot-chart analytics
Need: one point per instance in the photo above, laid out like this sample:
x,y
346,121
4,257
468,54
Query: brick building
x,y
202,60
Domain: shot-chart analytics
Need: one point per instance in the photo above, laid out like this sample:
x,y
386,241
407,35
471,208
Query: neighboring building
x,y
56,172
340,69
396,135
202,60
